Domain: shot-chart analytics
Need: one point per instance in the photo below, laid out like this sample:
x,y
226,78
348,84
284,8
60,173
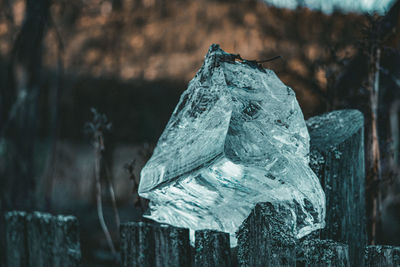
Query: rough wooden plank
x,y
150,244
66,250
16,251
137,244
212,248
172,246
266,237
337,157
322,253
387,256
40,239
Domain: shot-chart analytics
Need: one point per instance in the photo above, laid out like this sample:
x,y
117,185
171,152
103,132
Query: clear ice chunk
x,y
237,137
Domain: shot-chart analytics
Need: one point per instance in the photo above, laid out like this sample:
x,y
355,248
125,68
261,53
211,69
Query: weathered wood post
x,y
337,157
40,234
16,251
266,237
172,246
322,253
387,256
147,244
137,244
212,248
67,250
40,239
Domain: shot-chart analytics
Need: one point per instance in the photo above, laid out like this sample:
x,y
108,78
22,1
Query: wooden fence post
x,y
387,256
137,244
172,246
337,157
321,253
67,250
266,237
40,234
16,252
147,244
212,248
40,239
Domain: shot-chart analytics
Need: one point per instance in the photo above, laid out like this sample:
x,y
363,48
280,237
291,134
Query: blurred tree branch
x,y
364,84
96,129
19,108
20,99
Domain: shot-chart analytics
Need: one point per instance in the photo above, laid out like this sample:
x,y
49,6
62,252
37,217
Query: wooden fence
x,y
40,239
264,239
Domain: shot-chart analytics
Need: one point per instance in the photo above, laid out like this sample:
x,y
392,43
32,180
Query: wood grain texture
x,y
212,248
337,157
16,250
387,256
266,237
148,244
39,239
322,253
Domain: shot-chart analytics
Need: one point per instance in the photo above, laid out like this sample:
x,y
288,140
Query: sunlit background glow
x,y
328,6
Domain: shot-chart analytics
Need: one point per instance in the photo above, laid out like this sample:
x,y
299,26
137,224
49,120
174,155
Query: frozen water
x,y
237,137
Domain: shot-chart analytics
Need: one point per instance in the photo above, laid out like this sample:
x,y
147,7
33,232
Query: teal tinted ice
x,y
237,137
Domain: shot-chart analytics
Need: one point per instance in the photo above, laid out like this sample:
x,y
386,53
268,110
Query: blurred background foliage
x,y
131,60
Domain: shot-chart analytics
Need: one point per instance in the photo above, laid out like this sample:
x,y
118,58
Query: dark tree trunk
x,y
20,134
373,155
19,121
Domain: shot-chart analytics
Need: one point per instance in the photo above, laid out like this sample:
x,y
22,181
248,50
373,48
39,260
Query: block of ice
x,y
237,137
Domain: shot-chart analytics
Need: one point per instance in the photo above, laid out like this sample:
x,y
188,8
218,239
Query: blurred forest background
x,y
131,60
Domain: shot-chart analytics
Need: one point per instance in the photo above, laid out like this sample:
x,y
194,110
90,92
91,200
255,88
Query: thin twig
x,y
98,150
113,198
96,129
269,59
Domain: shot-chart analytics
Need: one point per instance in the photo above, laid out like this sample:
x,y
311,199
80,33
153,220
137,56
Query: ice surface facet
x,y
237,137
